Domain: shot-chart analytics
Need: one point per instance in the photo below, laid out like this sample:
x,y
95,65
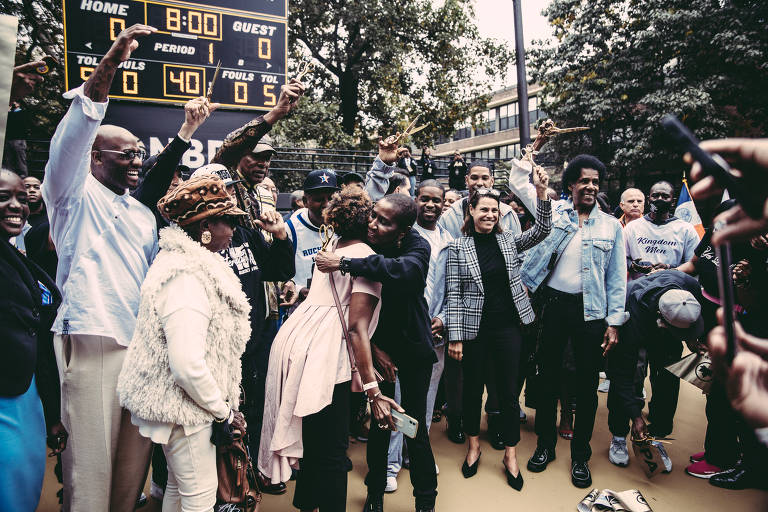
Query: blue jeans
x,y
412,179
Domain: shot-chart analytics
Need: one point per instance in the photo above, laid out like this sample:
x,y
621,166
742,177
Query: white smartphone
x,y
404,423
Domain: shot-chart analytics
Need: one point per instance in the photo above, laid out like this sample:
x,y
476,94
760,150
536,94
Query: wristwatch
x,y
345,265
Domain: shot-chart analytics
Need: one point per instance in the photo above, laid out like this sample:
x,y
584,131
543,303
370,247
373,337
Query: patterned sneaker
x,y
664,457
618,453
703,469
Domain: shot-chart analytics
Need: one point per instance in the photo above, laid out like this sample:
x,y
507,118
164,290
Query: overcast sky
x,y
495,19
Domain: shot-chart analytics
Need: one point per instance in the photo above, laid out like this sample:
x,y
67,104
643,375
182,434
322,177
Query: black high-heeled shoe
x,y
470,471
515,482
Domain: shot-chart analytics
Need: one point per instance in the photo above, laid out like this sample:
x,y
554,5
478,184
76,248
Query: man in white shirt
x,y
304,224
106,241
659,240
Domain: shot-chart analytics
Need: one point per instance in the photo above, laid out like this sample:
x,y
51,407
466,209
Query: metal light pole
x,y
522,83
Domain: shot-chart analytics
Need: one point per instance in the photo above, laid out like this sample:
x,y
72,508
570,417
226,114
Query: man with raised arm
x,y
106,241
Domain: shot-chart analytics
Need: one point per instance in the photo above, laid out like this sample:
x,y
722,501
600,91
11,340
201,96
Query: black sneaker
x,y
540,458
455,429
580,475
374,504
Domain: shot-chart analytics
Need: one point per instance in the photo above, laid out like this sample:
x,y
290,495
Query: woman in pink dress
x,y
306,411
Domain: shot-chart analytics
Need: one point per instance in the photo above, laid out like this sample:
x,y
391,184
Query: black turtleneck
x,y
498,303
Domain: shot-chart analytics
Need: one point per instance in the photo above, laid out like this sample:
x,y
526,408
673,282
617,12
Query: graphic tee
x,y
672,242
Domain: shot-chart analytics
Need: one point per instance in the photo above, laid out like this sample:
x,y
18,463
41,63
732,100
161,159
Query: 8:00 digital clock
x,y
173,64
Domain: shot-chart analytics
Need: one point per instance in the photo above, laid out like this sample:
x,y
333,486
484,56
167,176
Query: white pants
x,y
192,477
106,460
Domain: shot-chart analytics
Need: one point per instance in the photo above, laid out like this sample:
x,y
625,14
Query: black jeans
x,y
321,481
497,348
663,349
255,361
563,318
414,384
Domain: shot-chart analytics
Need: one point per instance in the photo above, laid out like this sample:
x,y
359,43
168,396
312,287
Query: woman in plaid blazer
x,y
486,304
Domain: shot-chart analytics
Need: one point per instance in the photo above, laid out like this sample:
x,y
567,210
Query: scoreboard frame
x,y
239,97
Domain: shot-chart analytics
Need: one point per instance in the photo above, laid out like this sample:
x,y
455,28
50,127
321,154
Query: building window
x,y
509,151
487,123
508,116
464,131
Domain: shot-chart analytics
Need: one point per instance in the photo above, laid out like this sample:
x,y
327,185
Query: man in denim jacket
x,y
579,275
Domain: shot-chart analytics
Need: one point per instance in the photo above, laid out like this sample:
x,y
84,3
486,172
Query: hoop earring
x,y
205,237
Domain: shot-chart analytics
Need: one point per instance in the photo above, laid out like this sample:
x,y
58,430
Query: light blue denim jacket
x,y
604,269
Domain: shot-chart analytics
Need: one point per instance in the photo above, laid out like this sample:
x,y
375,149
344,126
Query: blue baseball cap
x,y
324,178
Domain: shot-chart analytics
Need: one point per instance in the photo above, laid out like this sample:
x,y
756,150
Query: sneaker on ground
x,y
618,453
664,457
391,484
604,386
696,457
603,375
703,469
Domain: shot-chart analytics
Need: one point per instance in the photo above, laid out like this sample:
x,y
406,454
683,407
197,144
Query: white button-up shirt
x,y
105,242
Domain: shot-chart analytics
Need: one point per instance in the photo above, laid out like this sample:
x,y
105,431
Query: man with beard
x,y
429,207
659,240
106,241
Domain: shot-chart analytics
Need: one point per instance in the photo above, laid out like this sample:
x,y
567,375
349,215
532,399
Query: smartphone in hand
x,y
404,423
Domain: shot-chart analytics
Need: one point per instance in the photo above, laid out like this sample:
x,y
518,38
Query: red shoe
x,y
696,457
703,469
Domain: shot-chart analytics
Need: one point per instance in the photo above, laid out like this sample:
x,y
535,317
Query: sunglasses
x,y
128,154
492,192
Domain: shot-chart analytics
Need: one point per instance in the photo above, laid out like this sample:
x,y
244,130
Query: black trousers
x,y
661,349
563,317
453,377
255,361
321,481
495,353
414,384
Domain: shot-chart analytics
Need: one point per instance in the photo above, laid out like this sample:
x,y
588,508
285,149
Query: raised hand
x,y
388,149
540,181
25,79
196,111
126,42
288,100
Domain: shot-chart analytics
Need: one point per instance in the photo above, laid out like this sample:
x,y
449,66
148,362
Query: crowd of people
x,y
149,314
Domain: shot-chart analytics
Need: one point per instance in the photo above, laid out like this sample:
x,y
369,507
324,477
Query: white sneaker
x,y
437,469
603,375
391,484
604,386
618,453
664,457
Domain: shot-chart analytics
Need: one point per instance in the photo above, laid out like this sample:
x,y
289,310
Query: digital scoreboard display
x,y
177,62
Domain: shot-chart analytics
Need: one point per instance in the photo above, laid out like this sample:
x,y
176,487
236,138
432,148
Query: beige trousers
x,y
106,461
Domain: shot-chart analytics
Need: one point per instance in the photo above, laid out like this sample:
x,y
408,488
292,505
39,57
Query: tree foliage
x,y
619,65
383,61
41,33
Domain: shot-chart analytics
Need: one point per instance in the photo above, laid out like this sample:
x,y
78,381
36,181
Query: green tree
x,y
383,61
41,33
619,65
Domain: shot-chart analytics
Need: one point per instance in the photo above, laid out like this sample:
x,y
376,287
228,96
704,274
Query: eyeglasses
x,y
483,191
128,154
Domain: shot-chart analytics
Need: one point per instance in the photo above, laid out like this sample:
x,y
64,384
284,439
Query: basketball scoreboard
x,y
177,62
